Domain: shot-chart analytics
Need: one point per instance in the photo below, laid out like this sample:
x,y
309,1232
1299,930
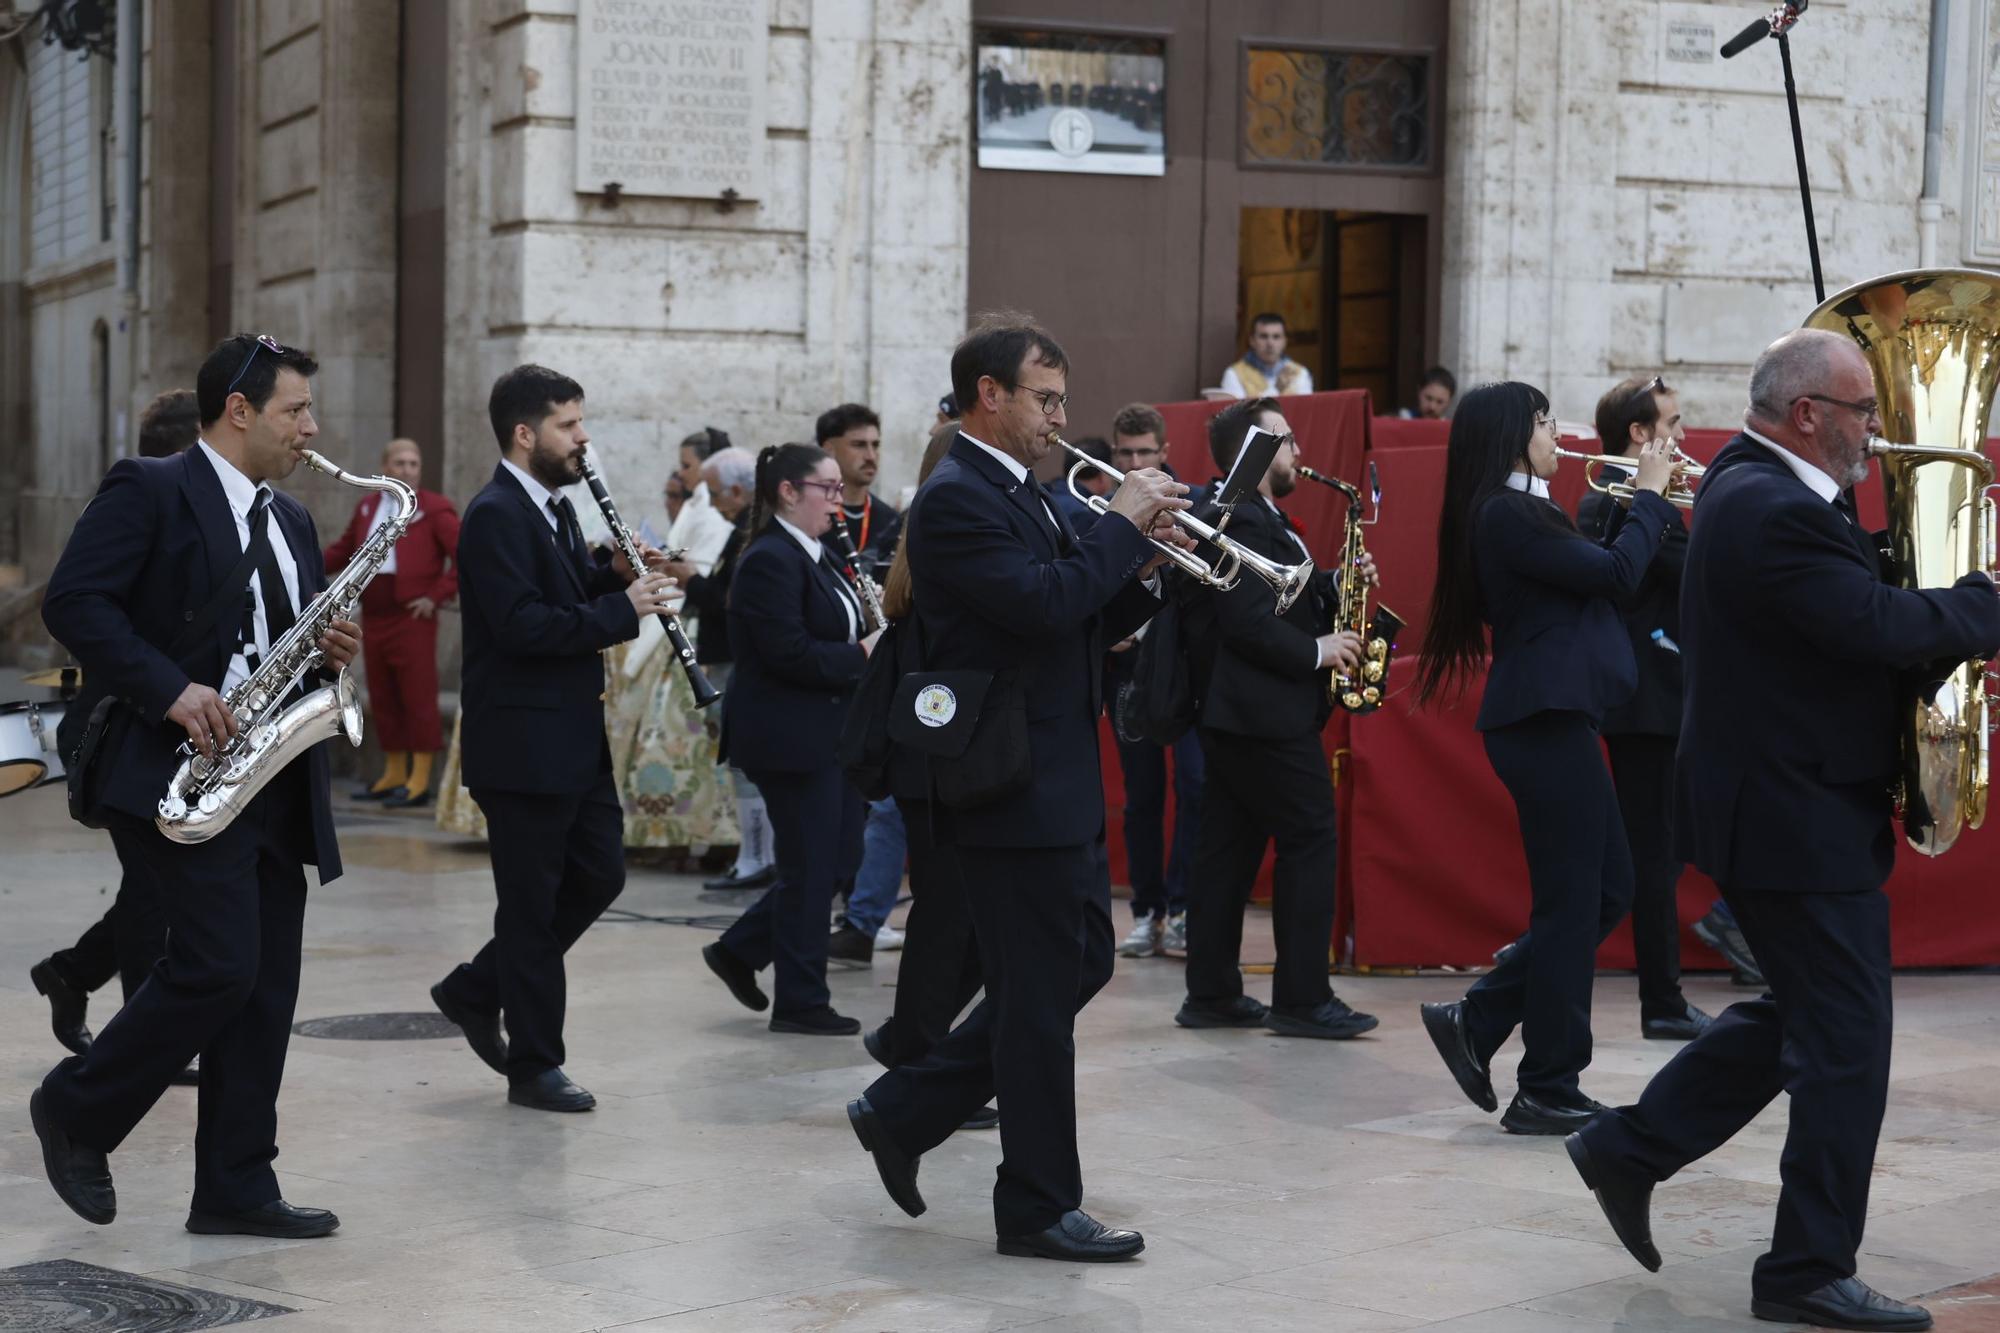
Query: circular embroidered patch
x,y
936,705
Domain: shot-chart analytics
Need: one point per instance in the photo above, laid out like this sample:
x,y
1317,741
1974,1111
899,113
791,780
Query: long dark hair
x,y
1490,431
776,465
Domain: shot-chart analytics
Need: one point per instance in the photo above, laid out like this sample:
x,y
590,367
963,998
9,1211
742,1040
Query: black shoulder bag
x,y
970,726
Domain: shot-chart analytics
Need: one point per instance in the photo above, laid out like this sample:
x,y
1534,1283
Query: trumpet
x,y
1680,486
1287,581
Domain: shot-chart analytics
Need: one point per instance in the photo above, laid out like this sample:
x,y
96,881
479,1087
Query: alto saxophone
x,y
1362,690
207,794
870,591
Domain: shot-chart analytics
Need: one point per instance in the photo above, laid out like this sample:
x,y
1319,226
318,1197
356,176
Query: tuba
x,y
1362,691
205,795
1932,338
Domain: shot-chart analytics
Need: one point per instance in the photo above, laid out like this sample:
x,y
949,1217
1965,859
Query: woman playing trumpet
x,y
1508,558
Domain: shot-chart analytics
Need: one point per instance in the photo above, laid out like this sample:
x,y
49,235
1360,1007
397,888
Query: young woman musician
x,y
1509,559
799,638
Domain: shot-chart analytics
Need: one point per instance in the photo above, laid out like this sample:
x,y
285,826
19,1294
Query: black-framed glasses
x,y
264,343
1869,408
832,490
1048,398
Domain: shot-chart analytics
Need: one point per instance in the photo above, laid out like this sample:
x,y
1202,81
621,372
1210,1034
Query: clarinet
x,y
871,593
628,546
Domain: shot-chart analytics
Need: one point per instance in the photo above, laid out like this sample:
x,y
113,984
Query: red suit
x,y
401,648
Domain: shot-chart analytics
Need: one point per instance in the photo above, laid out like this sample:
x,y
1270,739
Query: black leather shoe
x,y
736,974
1529,1114
820,1022
370,794
1726,938
1331,1021
1626,1200
875,1041
189,1077
1078,1238
1685,1026
1754,980
1446,1025
849,947
762,879
986,1117
400,799
1848,1303
1236,1012
480,1026
66,1005
81,1176
276,1218
898,1171
549,1090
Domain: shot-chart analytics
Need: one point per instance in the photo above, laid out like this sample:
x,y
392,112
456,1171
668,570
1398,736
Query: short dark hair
x,y
1439,375
1140,419
169,424
706,442
998,346
1629,403
525,396
1269,317
1227,428
244,363
837,421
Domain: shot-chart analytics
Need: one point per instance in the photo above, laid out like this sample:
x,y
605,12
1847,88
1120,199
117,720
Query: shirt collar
x,y
1533,485
239,490
1015,467
810,545
537,492
1825,487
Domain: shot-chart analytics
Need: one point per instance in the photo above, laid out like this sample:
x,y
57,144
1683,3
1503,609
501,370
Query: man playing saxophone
x,y
176,581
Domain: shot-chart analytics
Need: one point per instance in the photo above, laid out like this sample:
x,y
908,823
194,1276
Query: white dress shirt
x,y
544,498
375,526
850,601
1529,482
1302,381
241,493
1825,487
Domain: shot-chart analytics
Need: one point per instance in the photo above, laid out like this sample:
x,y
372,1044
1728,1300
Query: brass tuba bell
x,y
1932,338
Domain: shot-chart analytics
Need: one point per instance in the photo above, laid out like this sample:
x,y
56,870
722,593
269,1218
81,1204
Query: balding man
x,y
399,618
1792,644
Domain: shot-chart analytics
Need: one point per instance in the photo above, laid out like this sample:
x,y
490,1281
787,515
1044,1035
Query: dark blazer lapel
x,y
541,521
203,489
1024,496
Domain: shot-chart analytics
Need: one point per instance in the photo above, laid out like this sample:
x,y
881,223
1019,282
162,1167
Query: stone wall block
x,y
525,188
1666,136
1751,234
676,282
1636,340
1852,67
288,159
281,20
788,100
534,71
920,196
1724,323
284,238
286,310
791,13
946,22
499,12
921,92
667,378
288,80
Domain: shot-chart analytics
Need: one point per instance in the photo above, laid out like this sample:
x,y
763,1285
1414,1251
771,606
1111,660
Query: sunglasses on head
x,y
264,342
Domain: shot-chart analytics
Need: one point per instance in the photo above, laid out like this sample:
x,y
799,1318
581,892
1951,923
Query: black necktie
x,y
572,533
278,615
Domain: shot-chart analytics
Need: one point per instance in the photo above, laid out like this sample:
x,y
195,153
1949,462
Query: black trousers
x,y
939,972
1821,1034
1580,871
1259,791
816,822
225,990
127,940
558,862
1042,916
1642,768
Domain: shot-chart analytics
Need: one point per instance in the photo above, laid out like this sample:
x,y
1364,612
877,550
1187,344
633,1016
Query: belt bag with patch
x,y
972,729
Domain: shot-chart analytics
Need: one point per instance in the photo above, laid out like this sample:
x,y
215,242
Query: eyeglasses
x,y
265,342
1548,422
1049,398
1869,408
830,489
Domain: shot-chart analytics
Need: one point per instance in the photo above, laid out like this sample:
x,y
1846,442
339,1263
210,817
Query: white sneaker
x,y
1174,942
1144,941
888,939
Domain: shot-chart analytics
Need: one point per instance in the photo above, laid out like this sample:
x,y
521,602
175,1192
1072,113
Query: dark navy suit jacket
x,y
1550,595
146,555
1794,648
795,669
535,631
998,589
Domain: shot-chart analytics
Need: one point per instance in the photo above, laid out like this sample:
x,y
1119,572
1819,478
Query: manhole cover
x,y
63,1294
379,1027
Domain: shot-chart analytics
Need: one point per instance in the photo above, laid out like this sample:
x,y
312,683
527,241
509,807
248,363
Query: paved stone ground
x,y
1338,1187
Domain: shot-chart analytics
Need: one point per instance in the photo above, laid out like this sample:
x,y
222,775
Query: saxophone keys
x,y
210,802
1371,695
173,809
1350,701
1372,672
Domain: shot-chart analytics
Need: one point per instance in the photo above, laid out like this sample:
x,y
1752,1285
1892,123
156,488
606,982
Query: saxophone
x,y
205,795
1362,691
870,591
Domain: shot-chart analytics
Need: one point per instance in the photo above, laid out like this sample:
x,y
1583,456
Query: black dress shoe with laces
x,y
1076,1238
1684,1026
549,1090
1626,1200
736,974
1331,1021
762,879
80,1176
897,1169
1529,1114
986,1117
1446,1025
1239,1011
480,1026
1848,1303
67,1004
276,1218
821,1022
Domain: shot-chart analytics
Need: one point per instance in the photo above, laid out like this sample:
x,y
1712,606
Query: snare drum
x,y
28,755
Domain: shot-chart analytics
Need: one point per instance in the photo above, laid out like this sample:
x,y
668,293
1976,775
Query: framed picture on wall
x,y
1049,100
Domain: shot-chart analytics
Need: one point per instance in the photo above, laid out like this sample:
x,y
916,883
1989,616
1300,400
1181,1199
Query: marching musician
x,y
538,614
399,614
178,579
1795,650
800,638
1509,558
852,433
1261,681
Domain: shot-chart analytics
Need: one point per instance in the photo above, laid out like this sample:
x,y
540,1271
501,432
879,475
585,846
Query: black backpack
x,y
1157,704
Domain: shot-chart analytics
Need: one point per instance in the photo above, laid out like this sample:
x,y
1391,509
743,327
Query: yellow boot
x,y
395,773
419,785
